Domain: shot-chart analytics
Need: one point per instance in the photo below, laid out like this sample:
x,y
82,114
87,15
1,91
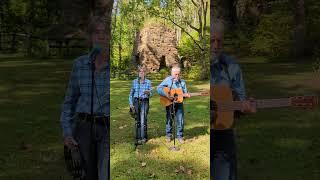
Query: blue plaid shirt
x,y
137,90
78,95
167,82
226,71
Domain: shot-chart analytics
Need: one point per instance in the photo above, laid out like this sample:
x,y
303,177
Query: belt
x,y
142,99
97,119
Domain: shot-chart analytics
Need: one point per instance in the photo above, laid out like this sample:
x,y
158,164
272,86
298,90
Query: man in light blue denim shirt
x,y
174,82
224,71
141,91
80,127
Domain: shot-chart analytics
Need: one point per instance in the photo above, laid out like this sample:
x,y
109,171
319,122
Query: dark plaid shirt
x,y
78,95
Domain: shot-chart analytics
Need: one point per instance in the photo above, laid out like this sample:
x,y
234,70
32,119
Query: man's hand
x,y
147,92
170,97
187,95
247,107
69,141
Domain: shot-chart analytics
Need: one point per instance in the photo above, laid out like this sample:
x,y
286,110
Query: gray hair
x,y
175,67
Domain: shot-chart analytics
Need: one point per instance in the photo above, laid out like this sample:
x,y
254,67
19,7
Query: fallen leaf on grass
x,y
121,127
152,175
182,169
137,151
189,172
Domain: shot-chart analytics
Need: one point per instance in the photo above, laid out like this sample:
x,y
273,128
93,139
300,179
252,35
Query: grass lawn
x,y
279,143
273,144
31,95
154,159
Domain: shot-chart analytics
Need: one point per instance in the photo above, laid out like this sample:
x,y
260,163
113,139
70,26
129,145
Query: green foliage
x,y
313,23
194,72
40,48
187,48
191,53
272,36
18,7
163,73
316,57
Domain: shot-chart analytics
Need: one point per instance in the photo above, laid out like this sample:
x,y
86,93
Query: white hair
x,y
175,68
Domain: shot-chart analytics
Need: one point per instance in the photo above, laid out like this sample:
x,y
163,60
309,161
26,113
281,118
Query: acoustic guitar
x,y
223,106
177,94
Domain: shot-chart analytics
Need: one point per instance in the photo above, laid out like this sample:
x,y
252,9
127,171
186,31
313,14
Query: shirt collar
x,y
144,81
89,60
219,60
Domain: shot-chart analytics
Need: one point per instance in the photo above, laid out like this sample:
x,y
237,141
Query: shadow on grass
x,y
31,145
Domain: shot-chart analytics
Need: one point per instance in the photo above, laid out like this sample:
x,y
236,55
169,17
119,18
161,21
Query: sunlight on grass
x,y
154,160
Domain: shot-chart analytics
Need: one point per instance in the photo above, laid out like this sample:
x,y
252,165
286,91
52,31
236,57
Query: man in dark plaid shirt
x,y
141,91
81,128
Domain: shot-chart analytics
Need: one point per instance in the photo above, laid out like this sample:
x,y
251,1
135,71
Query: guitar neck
x,y
259,104
198,94
271,103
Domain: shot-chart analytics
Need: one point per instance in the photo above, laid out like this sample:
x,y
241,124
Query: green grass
x,y
193,158
272,144
31,95
279,143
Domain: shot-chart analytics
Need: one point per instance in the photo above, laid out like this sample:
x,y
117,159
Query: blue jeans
x,y
179,116
142,122
223,160
94,149
223,167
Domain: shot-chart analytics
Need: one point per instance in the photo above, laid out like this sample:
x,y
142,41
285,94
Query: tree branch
x,y
183,29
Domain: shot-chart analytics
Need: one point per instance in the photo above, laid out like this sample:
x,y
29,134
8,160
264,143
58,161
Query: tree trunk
x,y
120,45
226,11
299,31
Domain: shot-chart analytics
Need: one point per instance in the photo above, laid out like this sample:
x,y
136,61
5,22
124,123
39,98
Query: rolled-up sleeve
x,y
163,84
150,88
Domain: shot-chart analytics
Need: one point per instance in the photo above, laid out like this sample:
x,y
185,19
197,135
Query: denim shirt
x,y
227,71
168,82
137,90
78,94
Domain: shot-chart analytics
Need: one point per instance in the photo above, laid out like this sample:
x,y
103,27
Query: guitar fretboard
x,y
262,103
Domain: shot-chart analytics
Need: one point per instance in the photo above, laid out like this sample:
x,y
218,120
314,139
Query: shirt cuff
x,y
67,132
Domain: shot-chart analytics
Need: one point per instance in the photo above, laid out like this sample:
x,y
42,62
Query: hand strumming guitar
x,y
248,107
187,95
147,92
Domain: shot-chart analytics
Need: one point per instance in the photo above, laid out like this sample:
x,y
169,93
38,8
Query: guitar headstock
x,y
304,101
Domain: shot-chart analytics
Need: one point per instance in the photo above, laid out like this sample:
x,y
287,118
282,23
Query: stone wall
x,y
155,47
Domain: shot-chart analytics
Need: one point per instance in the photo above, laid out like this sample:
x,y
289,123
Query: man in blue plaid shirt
x,y
141,91
80,127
